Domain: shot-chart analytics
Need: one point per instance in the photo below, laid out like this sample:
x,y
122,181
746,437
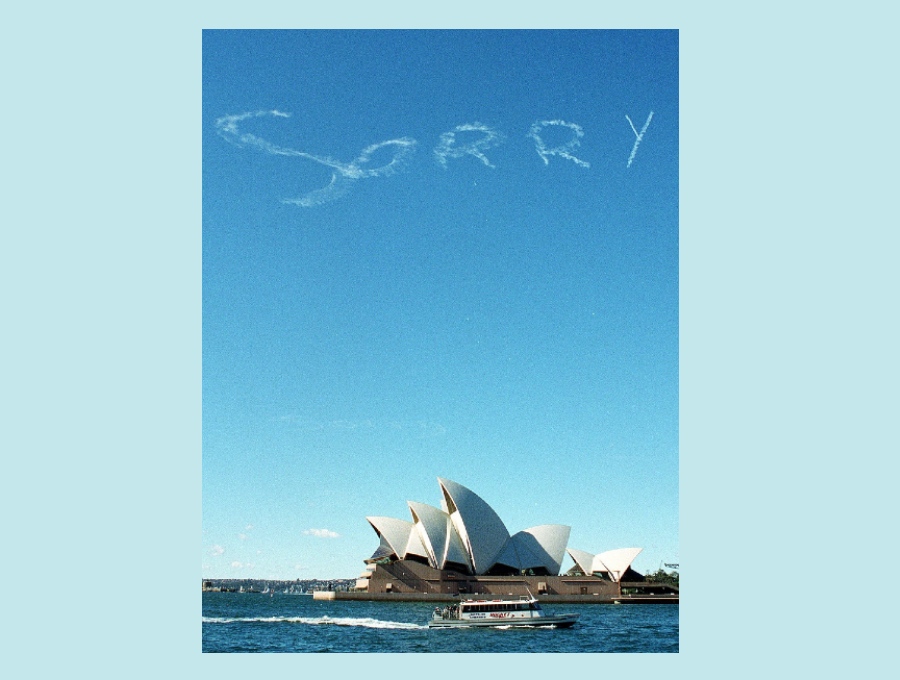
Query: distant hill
x,y
297,587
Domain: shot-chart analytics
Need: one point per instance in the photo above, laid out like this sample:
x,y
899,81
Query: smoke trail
x,y
639,136
345,173
562,151
448,147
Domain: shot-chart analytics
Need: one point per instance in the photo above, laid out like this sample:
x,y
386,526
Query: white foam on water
x,y
318,621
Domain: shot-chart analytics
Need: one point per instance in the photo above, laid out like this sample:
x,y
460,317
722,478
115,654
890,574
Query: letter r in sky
x,y
563,150
448,147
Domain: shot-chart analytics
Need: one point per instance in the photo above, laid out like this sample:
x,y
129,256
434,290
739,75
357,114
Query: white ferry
x,y
526,611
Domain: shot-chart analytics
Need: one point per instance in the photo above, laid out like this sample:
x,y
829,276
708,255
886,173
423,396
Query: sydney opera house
x,y
464,547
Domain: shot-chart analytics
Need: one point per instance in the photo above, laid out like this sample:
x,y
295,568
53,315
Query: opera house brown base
x,y
463,548
414,581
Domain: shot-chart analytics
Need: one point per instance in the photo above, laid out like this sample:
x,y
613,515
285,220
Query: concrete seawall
x,y
437,597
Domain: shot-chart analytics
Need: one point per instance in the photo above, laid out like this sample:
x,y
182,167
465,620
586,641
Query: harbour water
x,y
278,622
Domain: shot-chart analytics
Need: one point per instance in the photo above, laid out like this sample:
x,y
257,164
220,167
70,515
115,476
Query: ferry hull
x,y
536,622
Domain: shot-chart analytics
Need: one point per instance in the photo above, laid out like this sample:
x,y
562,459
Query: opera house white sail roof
x,y
614,563
466,534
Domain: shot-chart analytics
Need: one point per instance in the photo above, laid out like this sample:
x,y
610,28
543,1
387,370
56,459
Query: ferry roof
x,y
521,598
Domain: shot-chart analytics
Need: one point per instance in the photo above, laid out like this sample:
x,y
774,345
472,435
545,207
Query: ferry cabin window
x,y
509,607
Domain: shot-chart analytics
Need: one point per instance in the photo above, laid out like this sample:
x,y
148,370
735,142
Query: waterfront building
x,y
464,547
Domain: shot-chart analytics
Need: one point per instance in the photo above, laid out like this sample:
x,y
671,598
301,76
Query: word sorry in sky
x,y
344,175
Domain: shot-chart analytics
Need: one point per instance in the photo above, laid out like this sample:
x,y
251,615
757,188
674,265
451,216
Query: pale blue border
x,y
788,303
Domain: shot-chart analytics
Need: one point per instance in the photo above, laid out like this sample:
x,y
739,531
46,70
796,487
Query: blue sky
x,y
437,253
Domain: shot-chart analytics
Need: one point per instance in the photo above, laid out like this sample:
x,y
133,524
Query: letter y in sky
x,y
639,136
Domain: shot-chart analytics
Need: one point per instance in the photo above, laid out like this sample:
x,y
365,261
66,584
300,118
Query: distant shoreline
x,y
259,585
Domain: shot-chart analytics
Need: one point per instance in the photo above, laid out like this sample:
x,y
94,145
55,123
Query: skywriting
x,y
454,144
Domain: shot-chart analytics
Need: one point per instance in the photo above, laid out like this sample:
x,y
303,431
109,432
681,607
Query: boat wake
x,y
318,621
